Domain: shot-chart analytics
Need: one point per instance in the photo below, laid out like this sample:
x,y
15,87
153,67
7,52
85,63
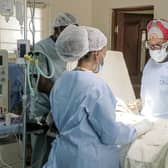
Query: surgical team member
x,y
40,105
83,106
154,88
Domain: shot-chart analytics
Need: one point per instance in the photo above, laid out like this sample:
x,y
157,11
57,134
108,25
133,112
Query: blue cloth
x,y
16,85
83,108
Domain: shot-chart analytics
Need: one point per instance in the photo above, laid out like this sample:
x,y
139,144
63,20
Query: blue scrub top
x,y
40,104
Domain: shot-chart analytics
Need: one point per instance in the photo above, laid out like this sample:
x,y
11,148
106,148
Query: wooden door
x,y
128,39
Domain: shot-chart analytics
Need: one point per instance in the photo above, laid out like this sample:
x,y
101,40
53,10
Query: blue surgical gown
x,y
83,108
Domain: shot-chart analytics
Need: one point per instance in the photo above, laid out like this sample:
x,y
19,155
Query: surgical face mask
x,y
159,55
99,67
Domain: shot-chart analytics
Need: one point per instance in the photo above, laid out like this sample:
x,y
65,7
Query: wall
x,y
102,11
82,9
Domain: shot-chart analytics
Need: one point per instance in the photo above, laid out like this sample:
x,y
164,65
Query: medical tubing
x,y
50,63
35,61
37,81
28,79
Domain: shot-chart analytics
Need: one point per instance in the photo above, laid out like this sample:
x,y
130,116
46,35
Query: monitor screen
x,y
22,50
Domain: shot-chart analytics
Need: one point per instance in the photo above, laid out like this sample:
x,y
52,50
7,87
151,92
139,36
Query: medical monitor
x,y
3,82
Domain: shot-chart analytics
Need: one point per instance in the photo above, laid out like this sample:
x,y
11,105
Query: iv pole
x,y
24,99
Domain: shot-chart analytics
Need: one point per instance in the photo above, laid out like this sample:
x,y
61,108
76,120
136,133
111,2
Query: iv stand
x,y
24,98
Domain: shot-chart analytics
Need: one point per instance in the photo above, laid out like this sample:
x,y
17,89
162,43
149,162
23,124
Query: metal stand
x,y
25,91
24,99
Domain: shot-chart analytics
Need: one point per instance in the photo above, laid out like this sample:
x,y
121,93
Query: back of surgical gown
x,y
83,110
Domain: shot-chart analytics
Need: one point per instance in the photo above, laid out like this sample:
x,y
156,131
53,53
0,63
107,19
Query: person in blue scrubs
x,y
40,105
83,106
154,87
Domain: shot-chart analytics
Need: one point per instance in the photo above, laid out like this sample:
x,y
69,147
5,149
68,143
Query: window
x,y
11,31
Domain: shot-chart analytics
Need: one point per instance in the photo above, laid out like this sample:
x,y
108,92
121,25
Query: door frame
x,y
115,13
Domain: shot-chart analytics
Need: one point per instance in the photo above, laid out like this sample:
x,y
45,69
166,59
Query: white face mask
x,y
159,55
99,67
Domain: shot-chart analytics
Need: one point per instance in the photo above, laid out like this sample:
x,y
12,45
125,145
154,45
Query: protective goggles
x,y
156,46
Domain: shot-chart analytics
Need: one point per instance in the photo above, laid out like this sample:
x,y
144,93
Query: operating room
x,y
83,84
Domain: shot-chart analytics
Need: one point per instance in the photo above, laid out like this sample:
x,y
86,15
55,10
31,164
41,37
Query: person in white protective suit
x,y
154,88
83,106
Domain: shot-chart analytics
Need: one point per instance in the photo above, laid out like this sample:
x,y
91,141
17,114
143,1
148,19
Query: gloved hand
x,y
135,106
143,127
52,131
121,106
49,119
